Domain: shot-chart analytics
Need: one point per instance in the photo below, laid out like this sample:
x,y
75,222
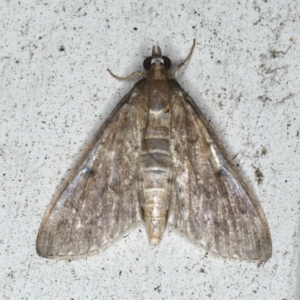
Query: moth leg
x,y
183,62
134,74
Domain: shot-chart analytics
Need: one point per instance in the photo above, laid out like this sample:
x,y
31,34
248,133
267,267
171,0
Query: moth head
x,y
157,58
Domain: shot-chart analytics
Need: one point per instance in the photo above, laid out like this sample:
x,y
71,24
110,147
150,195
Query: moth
x,y
156,158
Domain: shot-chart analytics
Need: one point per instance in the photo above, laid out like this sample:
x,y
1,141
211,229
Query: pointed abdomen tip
x,y
154,241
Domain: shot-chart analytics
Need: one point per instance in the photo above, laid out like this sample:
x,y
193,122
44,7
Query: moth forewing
x,y
223,215
155,158
100,197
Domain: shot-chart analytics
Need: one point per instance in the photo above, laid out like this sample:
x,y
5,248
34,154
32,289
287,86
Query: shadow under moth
x,y
156,158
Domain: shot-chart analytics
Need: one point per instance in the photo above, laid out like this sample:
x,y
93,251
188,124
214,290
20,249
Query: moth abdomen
x,y
156,170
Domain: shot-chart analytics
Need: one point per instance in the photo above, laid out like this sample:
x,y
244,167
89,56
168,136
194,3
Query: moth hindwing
x,y
155,158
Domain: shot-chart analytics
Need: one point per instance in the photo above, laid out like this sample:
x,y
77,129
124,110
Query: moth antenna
x,y
183,62
134,74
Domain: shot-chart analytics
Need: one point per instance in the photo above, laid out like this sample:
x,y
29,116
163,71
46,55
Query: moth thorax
x,y
159,105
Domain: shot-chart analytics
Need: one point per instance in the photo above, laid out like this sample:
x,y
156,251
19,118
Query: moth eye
x,y
147,63
167,62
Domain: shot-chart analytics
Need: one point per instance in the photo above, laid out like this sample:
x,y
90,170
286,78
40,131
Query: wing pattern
x,y
100,198
210,201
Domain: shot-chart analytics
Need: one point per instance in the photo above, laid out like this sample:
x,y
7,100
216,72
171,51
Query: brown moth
x,y
156,158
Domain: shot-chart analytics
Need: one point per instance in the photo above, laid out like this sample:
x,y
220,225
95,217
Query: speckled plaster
x,y
55,93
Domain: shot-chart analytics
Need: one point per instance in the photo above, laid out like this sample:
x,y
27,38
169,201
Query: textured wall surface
x,y
55,92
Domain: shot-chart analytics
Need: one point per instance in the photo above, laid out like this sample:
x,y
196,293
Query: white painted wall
x,y
244,75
